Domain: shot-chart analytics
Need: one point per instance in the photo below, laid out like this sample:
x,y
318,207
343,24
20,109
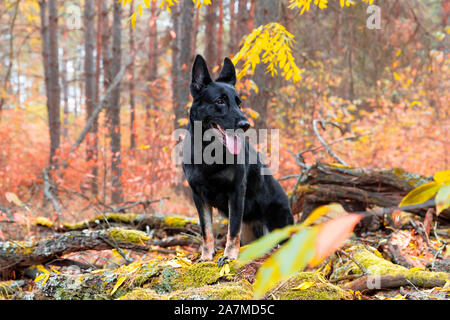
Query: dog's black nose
x,y
243,124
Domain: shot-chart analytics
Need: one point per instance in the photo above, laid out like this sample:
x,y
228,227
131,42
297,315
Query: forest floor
x,y
403,255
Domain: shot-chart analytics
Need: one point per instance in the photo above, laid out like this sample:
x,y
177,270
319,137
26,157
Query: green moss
x,y
21,247
178,221
319,289
378,266
75,226
132,236
414,180
167,281
117,217
222,291
193,276
142,294
147,271
43,221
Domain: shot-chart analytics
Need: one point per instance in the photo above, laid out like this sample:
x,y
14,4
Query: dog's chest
x,y
212,179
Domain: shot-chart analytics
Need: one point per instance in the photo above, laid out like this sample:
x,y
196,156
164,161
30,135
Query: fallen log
x,y
356,189
170,224
14,254
382,274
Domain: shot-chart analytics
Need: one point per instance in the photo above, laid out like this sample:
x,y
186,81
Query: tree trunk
x,y
131,86
242,20
211,36
194,36
54,88
11,57
65,90
266,11
232,42
44,47
220,35
114,110
251,16
152,97
90,94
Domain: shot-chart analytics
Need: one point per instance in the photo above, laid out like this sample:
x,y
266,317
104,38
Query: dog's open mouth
x,y
233,143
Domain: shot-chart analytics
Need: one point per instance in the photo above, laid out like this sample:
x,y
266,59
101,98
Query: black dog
x,y
254,203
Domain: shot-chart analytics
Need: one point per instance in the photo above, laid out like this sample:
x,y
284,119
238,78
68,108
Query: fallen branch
x,y
48,194
383,274
389,282
323,142
14,254
168,223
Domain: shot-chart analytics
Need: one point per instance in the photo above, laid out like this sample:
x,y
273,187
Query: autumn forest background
x,y
91,91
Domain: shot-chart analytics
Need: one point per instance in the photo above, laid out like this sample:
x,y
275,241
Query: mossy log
x,y
356,189
170,224
15,254
383,274
10,287
317,289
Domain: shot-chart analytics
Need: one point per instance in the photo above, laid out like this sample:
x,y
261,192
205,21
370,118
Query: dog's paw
x,y
223,261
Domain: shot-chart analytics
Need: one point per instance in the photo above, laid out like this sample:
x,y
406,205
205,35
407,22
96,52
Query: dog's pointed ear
x,y
200,75
228,73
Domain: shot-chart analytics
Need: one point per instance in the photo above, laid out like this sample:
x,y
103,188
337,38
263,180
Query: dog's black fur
x,y
254,203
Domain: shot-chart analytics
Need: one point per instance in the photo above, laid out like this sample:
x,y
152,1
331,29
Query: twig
x,y
136,203
335,142
48,193
316,131
360,266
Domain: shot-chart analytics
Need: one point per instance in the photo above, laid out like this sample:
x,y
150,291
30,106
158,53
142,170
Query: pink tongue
x,y
233,144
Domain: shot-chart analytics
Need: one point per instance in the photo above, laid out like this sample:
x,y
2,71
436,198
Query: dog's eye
x,y
220,101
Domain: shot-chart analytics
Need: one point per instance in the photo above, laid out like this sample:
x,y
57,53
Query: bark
x,y
65,90
152,95
131,86
90,94
54,87
176,67
11,56
211,36
220,35
388,282
232,32
266,11
114,110
356,189
164,223
44,47
194,36
242,21
14,254
182,60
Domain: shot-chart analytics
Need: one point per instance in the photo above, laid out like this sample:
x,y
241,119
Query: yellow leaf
x,y
442,199
118,283
225,270
40,277
442,176
421,194
305,285
320,211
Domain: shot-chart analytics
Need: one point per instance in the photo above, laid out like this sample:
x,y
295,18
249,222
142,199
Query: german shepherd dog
x,y
253,203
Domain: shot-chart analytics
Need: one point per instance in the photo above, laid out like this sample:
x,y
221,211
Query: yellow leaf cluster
x,y
270,44
305,5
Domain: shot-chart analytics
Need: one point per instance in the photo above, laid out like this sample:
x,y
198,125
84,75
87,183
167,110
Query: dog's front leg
x,y
205,216
234,226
